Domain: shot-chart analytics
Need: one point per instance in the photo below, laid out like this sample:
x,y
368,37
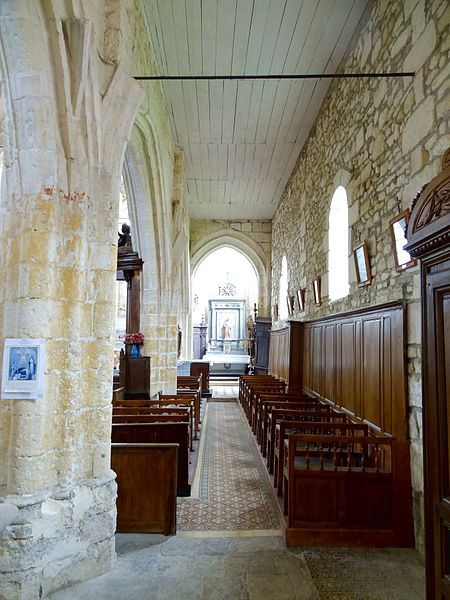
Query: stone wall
x,y
253,238
382,139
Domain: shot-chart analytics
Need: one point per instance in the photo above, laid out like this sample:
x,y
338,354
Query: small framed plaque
x,y
397,228
316,291
362,265
290,304
23,369
301,299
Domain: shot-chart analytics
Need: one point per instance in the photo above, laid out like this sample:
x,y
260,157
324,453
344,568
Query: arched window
x,y
338,284
283,287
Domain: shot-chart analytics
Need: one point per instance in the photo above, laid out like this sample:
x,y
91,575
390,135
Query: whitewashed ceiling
x,y
241,139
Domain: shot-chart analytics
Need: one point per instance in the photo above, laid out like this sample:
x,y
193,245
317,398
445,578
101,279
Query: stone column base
x,y
59,538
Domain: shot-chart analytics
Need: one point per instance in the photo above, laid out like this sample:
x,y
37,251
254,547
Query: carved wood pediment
x,y
429,226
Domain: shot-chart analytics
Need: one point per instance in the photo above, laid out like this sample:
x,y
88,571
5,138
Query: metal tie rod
x,y
254,77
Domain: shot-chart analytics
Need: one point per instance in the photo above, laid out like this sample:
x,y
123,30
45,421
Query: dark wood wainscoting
x,y
356,360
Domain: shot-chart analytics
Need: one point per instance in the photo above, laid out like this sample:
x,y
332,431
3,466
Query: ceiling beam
x,y
255,77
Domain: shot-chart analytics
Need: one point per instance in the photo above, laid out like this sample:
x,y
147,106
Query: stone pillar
x,y
71,115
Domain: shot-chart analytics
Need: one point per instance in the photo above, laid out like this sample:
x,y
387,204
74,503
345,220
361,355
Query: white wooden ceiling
x,y
241,139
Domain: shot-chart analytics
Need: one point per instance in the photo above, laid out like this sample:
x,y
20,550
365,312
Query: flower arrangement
x,y
134,338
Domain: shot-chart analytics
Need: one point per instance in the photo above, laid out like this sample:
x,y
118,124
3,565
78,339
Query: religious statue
x,y
227,330
227,337
125,236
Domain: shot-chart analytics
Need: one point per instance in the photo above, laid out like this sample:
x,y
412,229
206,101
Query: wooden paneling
x,y
146,482
356,360
284,354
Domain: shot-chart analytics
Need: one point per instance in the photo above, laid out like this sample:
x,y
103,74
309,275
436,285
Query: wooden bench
x,y
262,409
159,433
189,402
146,487
246,382
318,424
346,490
163,407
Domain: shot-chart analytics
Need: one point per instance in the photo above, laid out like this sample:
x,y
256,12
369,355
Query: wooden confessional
x,y
429,240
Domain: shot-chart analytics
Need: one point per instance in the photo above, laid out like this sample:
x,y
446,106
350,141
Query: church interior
x,y
225,299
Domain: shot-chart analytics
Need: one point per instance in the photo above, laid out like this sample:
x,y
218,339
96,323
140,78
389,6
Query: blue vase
x,y
134,350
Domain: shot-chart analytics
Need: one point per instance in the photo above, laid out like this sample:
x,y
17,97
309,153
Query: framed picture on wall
x,y
23,369
290,304
316,291
397,228
362,265
301,299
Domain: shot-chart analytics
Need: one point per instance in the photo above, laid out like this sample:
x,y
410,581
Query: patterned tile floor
x,y
233,492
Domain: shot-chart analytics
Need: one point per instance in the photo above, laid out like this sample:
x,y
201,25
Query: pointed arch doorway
x,y
225,291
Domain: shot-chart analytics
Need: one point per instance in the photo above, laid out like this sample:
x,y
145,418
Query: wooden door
x,y
437,425
429,240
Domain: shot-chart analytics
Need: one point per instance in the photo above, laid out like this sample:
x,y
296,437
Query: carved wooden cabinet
x,y
429,240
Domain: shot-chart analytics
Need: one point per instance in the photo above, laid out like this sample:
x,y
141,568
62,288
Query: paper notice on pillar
x,y
23,369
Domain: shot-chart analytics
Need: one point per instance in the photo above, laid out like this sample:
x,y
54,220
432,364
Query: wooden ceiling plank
x,y
279,107
259,156
220,191
242,110
168,27
241,35
173,91
226,17
181,39
229,110
303,99
213,161
215,110
249,191
204,160
271,31
199,191
248,160
253,113
267,101
213,192
209,38
239,162
196,161
231,161
203,111
223,160
289,109
151,11
314,36
255,41
206,185
303,25
191,110
194,36
279,159
288,24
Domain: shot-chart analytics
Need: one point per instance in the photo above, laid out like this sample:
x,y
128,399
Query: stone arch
x,y
243,244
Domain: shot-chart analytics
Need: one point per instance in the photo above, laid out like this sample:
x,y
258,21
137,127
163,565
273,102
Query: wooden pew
x,y
274,411
339,499
268,388
146,487
245,383
299,422
262,408
160,433
325,424
189,402
166,406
